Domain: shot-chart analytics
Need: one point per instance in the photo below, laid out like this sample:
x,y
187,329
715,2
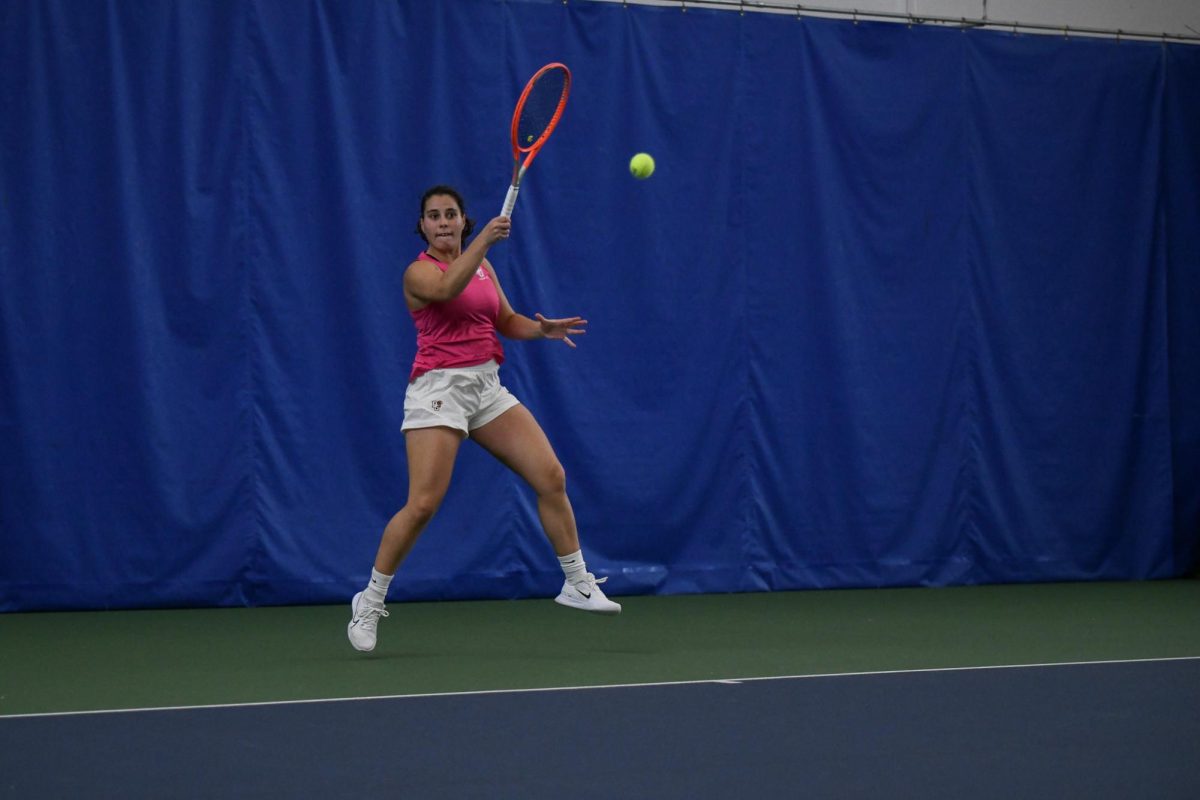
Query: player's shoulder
x,y
420,264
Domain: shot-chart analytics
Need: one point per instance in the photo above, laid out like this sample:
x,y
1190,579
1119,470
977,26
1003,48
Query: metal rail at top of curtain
x,y
801,10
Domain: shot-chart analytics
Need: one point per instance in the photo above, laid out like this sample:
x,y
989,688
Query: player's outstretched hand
x,y
562,328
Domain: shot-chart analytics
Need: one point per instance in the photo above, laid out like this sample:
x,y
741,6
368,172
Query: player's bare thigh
x,y
431,456
518,441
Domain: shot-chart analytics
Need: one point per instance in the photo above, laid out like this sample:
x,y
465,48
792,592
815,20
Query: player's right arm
x,y
424,283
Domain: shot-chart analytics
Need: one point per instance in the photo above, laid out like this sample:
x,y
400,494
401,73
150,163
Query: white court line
x,y
725,681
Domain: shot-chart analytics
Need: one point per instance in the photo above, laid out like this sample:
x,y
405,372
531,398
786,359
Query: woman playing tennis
x,y
454,392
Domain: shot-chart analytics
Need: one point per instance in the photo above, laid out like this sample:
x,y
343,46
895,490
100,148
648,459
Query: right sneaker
x,y
364,621
586,595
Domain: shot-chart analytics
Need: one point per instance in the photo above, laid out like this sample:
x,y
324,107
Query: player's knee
x,y
422,507
553,479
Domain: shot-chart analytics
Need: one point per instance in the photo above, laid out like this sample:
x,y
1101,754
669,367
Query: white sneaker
x,y
364,619
587,595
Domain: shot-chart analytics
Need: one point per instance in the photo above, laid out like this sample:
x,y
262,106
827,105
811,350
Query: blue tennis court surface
x,y
1094,730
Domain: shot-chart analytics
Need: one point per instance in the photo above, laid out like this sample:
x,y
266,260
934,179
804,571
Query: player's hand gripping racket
x,y
534,119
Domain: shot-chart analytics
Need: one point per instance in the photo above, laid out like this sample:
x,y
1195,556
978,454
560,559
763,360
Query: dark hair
x,y
449,191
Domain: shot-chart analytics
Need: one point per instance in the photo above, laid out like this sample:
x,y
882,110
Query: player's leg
x,y
431,456
516,439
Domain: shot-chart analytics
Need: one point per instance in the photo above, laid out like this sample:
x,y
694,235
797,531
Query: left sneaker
x,y
364,623
586,595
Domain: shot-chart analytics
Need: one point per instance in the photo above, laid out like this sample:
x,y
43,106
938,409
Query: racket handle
x,y
510,200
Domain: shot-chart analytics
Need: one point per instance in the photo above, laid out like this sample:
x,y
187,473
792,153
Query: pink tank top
x,y
460,332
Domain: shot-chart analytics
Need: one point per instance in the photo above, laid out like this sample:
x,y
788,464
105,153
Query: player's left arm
x,y
512,325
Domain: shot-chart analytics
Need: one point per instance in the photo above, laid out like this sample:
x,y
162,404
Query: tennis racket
x,y
534,119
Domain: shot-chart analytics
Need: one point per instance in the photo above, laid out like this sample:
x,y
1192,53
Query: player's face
x,y
442,223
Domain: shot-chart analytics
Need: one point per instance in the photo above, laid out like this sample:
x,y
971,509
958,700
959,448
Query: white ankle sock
x,y
376,591
573,566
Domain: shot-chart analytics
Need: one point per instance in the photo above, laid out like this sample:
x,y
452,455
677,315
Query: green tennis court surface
x,y
56,662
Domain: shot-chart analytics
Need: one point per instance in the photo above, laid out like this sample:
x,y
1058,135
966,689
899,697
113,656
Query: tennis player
x,y
454,392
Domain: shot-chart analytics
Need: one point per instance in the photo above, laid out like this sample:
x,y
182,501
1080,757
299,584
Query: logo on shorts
x,y
437,405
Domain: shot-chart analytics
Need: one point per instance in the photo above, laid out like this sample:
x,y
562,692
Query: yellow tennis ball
x,y
529,138
641,166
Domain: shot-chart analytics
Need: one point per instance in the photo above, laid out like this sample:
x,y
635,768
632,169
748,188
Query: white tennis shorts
x,y
463,398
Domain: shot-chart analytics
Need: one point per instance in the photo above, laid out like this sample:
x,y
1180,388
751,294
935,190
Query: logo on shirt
x,y
437,405
481,273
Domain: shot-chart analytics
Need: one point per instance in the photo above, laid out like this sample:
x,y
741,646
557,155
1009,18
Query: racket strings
x,y
542,104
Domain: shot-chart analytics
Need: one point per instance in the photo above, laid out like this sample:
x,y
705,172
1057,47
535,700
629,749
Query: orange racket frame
x,y
531,150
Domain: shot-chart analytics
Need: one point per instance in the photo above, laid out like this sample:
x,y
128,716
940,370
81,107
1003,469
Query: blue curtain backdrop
x,y
901,306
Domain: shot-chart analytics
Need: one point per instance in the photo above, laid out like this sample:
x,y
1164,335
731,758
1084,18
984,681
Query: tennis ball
x,y
641,166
